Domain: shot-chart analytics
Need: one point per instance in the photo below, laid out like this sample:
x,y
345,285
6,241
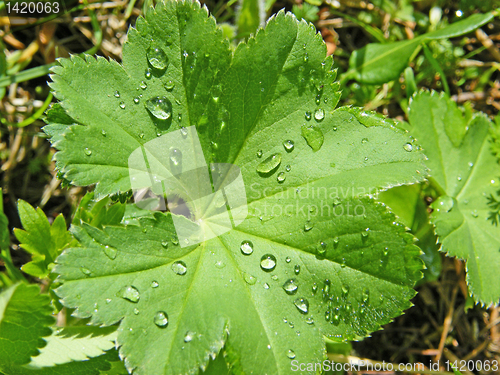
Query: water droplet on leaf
x,y
87,151
408,147
268,262
313,136
281,177
290,354
161,108
110,252
179,267
319,115
157,58
302,305
249,279
269,164
129,293
161,319
288,145
290,287
189,336
246,247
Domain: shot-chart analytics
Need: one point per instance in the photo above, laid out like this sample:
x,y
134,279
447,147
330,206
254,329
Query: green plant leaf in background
x,y
407,203
250,14
74,344
39,238
380,63
467,175
25,317
259,292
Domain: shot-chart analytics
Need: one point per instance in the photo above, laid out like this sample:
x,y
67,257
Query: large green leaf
x,y
25,317
379,63
467,174
306,168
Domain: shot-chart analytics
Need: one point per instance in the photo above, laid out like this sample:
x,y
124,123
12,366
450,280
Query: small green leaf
x,y
103,364
467,174
40,239
74,344
461,27
25,317
379,63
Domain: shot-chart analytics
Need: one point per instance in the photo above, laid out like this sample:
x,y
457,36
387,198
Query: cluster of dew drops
x,y
159,107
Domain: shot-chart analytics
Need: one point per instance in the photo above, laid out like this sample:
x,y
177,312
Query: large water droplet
x,y
313,136
290,286
281,177
408,147
302,305
249,279
161,319
161,108
157,57
129,293
288,145
268,262
169,86
179,267
445,203
269,164
110,252
290,354
87,151
246,247
319,114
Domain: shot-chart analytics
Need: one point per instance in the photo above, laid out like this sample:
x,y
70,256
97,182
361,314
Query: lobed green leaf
x,y
467,174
